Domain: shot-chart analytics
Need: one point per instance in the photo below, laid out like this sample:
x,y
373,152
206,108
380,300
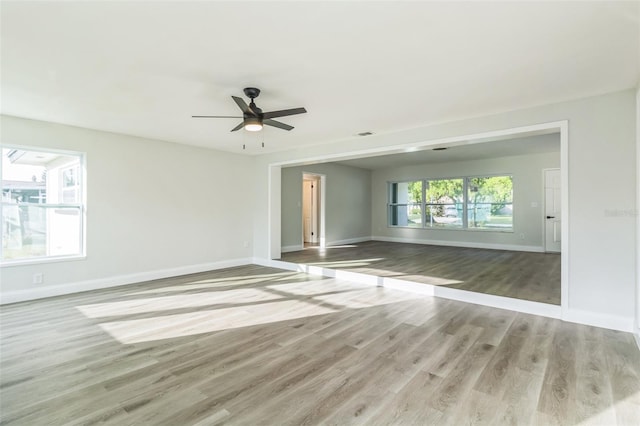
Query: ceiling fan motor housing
x,y
252,92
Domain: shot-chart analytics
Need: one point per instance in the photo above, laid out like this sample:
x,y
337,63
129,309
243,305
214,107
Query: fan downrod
x,y
252,92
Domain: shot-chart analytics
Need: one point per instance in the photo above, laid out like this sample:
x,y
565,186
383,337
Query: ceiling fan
x,y
252,117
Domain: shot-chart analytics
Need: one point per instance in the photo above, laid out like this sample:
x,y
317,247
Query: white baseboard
x,y
76,287
500,302
287,249
599,320
513,247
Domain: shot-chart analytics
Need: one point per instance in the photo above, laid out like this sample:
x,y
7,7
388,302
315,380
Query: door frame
x,y
320,179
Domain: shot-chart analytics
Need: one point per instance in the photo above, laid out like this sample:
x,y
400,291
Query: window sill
x,y
27,262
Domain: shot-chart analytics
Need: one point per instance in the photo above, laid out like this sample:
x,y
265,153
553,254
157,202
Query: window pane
x,y
490,202
405,204
37,230
444,200
41,204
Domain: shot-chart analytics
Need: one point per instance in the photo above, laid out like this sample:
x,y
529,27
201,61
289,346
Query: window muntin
x,y
42,205
469,203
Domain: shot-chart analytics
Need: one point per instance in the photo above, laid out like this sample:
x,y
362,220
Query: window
x,y
42,204
490,202
445,198
478,203
405,206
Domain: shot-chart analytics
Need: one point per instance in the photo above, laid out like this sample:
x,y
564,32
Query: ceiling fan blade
x,y
238,127
277,124
284,112
243,105
215,116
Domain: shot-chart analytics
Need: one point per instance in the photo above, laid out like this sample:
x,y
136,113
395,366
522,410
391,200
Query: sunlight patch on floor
x,y
188,324
219,282
165,303
274,303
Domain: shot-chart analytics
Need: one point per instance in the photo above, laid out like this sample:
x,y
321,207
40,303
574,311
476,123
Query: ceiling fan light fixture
x,y
252,124
253,117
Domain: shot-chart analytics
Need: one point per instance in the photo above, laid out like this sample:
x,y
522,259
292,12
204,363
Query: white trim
x,y
40,260
500,302
637,257
599,320
295,247
564,216
323,206
468,244
118,280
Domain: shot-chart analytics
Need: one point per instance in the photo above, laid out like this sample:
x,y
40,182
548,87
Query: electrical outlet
x,y
522,236
246,244
38,278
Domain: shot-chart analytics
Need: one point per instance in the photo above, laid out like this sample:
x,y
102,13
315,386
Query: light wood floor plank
x,y
254,345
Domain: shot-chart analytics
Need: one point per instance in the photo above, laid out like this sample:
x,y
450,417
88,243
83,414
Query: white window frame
x,y
465,212
81,190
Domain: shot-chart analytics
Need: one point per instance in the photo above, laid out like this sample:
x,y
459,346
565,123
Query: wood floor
x,y
255,345
520,275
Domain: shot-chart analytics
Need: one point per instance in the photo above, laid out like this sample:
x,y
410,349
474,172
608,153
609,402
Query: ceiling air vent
x,y
365,134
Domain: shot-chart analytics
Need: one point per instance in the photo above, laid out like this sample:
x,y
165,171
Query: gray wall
x,y
348,203
151,206
527,189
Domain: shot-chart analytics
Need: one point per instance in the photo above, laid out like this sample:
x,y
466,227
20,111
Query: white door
x,y
309,211
552,210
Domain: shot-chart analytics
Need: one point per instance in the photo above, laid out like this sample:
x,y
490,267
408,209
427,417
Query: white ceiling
x,y
463,151
143,68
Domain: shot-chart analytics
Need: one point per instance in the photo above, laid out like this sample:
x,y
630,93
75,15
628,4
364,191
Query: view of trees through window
x,y
458,203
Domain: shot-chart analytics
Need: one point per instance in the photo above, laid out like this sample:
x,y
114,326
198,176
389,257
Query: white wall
x,y
528,188
601,150
153,209
348,203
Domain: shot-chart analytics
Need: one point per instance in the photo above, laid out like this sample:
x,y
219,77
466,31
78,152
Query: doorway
x,y
273,248
311,210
